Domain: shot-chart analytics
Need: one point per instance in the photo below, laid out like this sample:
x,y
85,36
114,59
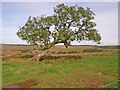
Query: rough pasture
x,y
90,70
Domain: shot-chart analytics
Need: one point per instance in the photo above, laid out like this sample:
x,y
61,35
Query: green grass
x,y
62,72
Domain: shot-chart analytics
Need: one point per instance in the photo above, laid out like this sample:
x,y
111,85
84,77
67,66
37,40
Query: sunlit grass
x,y
62,72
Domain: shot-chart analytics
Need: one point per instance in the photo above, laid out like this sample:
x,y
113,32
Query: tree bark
x,y
39,56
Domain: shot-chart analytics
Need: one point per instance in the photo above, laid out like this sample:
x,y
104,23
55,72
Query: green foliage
x,y
37,29
61,52
92,50
24,51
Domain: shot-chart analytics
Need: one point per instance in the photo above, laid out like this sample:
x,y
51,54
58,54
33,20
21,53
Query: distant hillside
x,y
15,44
106,46
110,46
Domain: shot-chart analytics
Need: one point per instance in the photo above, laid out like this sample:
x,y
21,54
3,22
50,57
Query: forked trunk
x,y
42,54
39,56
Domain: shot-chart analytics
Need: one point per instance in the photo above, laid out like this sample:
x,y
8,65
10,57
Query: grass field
x,y
84,72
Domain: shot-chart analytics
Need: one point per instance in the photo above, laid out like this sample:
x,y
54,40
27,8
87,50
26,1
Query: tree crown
x,y
69,23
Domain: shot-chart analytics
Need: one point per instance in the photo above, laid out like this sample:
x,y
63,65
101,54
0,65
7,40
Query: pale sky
x,y
15,14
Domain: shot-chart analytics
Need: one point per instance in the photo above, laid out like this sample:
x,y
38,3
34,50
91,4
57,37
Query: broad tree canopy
x,y
69,23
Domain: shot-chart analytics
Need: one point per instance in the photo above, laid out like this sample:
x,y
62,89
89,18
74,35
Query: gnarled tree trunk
x,y
39,56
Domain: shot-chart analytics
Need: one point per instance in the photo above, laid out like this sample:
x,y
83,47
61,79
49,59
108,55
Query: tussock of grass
x,y
92,50
24,51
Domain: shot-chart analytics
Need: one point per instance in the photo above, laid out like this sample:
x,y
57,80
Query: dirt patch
x,y
8,57
94,82
24,55
26,84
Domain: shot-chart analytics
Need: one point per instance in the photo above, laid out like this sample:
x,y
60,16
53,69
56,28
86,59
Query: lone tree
x,y
69,23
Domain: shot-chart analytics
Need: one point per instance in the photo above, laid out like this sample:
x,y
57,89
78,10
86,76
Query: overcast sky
x,y
16,14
